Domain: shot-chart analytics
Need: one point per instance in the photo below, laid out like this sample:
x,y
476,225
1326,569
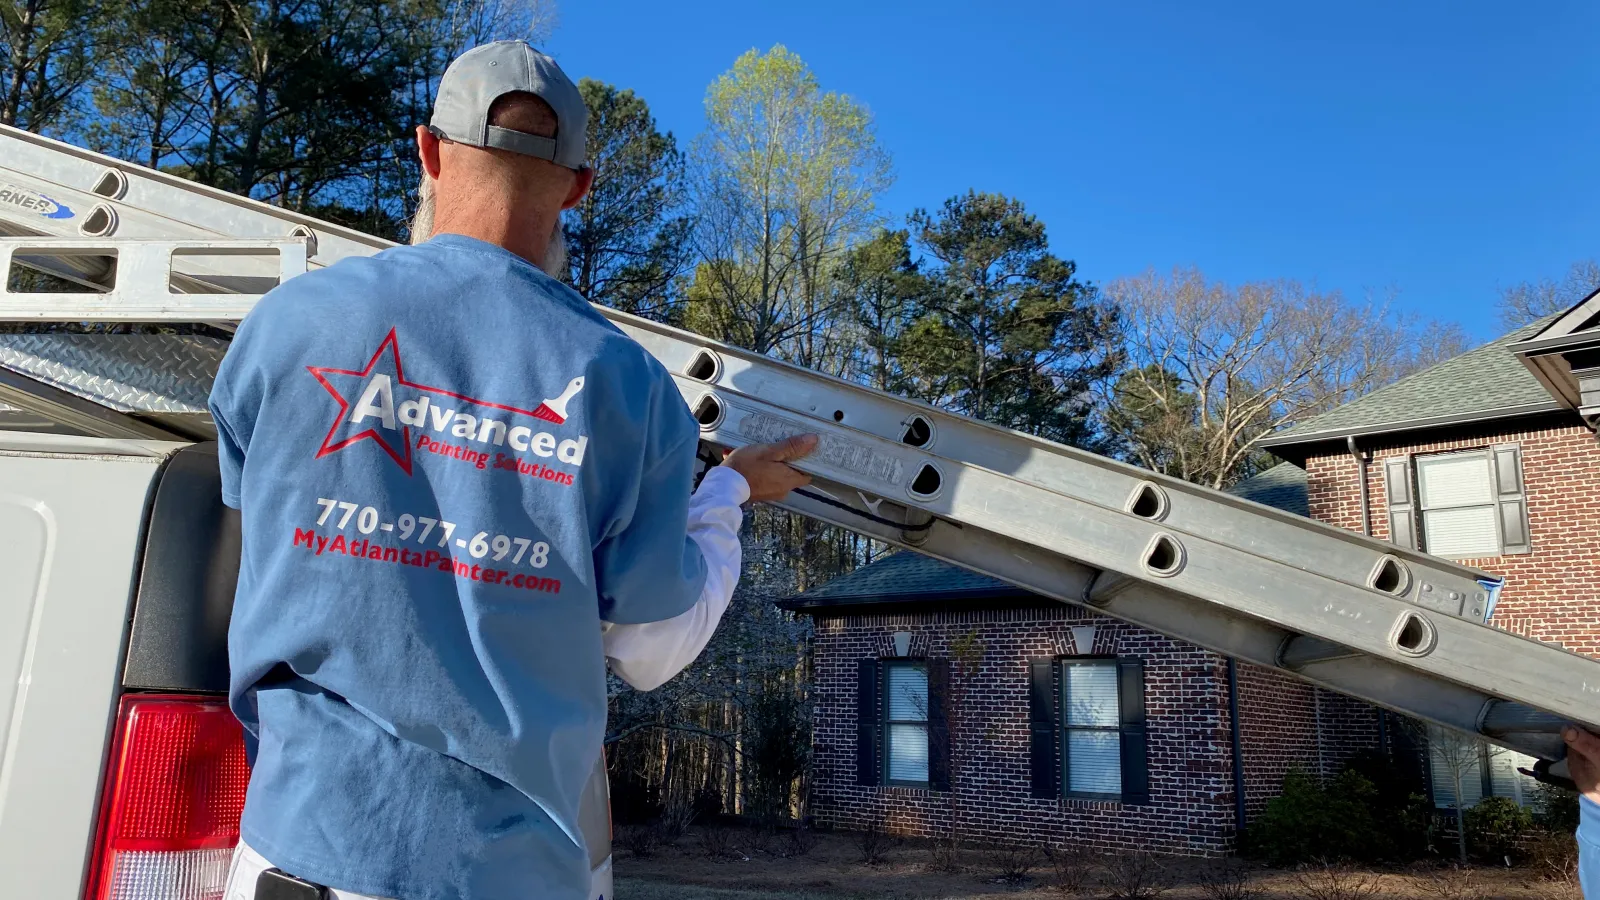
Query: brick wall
x,y
1553,593
1278,724
1190,769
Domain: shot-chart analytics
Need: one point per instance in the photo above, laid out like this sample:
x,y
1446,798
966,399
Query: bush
x,y
1326,882
639,840
1072,865
1496,828
1349,818
1011,863
1450,882
1228,882
1135,876
874,844
1310,821
1555,809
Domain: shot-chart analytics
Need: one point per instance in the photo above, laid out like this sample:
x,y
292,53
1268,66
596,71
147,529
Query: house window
x,y
905,724
902,728
1091,742
1481,769
1471,504
1457,496
1088,729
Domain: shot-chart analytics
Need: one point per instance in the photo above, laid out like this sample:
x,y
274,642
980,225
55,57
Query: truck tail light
x,y
169,818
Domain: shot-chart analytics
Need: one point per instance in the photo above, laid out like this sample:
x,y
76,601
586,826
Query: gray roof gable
x,y
1486,383
1283,486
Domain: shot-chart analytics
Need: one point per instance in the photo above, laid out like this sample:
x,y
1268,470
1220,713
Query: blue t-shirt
x,y
451,469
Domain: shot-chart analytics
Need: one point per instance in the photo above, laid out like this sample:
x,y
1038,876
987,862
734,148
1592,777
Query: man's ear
x,y
428,151
580,187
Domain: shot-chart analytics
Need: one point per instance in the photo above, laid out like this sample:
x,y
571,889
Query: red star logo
x,y
552,410
402,457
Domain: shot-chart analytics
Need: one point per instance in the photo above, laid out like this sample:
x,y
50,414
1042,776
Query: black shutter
x,y
939,724
869,726
1130,694
1510,500
1044,728
1402,505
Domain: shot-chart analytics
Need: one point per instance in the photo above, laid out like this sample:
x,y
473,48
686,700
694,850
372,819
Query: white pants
x,y
248,865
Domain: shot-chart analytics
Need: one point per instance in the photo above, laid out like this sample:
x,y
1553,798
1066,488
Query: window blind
x,y
1458,508
1092,695
1092,716
907,710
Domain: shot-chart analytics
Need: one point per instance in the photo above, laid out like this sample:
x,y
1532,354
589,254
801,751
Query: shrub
x,y
1310,821
1496,828
1011,863
639,840
674,823
1072,866
946,857
1449,882
1330,882
1555,809
1135,876
874,844
716,842
1228,882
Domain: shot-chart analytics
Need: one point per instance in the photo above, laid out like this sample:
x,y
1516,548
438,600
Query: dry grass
x,y
833,870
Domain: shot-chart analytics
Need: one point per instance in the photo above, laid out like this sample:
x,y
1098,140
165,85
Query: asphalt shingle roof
x,y
908,577
1477,383
1282,486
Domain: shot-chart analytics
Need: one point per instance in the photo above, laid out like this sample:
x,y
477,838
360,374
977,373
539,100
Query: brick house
x,y
1074,726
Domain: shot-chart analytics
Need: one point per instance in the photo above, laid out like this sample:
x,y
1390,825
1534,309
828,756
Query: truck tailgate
x,y
69,541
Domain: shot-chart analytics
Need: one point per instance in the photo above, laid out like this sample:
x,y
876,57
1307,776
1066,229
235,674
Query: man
x,y
1583,762
462,491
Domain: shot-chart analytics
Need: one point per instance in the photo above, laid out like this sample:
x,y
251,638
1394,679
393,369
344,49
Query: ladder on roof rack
x,y
1390,626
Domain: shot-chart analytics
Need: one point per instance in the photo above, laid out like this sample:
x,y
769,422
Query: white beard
x,y
422,220
555,253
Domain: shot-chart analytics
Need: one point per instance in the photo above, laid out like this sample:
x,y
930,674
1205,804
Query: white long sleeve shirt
x,y
648,654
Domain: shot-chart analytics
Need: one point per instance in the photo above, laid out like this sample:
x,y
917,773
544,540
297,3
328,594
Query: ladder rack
x,y
1391,626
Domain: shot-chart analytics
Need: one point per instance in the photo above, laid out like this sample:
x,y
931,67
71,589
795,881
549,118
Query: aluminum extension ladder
x,y
1397,628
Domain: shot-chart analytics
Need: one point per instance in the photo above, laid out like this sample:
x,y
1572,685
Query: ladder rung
x,y
1300,651
142,278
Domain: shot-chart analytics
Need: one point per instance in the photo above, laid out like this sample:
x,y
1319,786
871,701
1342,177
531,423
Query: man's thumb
x,y
796,447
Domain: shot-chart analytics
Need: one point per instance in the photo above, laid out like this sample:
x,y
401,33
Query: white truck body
x,y
119,568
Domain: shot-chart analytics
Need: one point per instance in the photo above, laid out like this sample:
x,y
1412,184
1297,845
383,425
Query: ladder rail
x,y
1378,624
143,202
1219,629
1184,507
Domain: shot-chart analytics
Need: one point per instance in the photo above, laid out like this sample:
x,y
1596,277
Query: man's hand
x,y
1583,761
766,469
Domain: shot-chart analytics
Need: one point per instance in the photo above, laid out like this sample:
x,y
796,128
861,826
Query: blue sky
x,y
1438,149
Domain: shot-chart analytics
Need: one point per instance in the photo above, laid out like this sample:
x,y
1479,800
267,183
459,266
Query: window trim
x,y
1492,504
1064,730
886,723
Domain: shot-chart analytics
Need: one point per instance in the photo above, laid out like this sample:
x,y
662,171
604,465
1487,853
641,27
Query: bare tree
x,y
1216,367
1460,758
473,22
1529,301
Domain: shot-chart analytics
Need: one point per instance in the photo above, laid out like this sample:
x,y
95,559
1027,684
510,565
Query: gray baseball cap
x,y
484,74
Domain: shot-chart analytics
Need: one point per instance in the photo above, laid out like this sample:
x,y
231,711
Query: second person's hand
x,y
766,468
